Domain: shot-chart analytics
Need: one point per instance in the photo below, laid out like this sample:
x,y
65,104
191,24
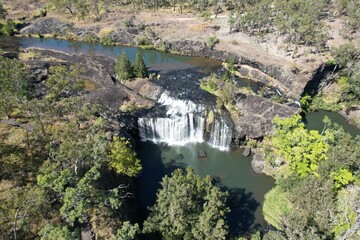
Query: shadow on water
x,y
242,206
149,181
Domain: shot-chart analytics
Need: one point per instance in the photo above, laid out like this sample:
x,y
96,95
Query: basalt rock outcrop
x,y
256,114
48,26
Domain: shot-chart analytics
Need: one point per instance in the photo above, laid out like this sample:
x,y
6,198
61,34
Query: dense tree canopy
x,y
313,206
54,168
188,207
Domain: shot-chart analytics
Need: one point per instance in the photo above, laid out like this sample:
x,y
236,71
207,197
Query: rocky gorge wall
x,y
289,78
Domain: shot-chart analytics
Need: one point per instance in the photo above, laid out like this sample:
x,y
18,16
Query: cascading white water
x,y
184,123
220,135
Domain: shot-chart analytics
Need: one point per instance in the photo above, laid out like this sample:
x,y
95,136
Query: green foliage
x,y
351,88
344,55
188,207
123,159
276,206
211,41
14,87
92,38
342,178
106,39
78,8
299,21
272,235
295,145
139,66
128,231
123,67
63,82
305,102
128,23
345,221
51,232
350,8
316,206
8,28
230,65
143,41
20,211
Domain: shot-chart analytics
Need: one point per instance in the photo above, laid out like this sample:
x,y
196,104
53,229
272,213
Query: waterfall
x,y
220,135
184,122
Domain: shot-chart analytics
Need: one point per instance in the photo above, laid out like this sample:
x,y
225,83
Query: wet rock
x,y
258,162
202,154
247,151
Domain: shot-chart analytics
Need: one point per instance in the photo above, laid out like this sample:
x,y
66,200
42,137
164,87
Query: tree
x,y
123,159
297,147
51,232
63,82
139,66
13,85
21,210
127,231
188,207
123,67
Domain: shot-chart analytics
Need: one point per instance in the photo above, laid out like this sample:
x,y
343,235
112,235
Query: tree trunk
x,y
15,223
68,8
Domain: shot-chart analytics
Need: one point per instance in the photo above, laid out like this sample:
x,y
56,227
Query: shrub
x,y
143,41
128,23
212,41
92,38
344,55
106,40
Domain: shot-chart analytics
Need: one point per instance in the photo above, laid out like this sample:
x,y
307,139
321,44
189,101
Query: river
x,y
230,170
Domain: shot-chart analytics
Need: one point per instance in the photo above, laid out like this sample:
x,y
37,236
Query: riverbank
x,y
186,34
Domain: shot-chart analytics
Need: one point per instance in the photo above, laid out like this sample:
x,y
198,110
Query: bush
x,y
143,41
212,41
8,28
344,55
92,38
106,40
128,23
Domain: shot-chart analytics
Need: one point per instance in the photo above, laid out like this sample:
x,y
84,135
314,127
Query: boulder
x,y
256,114
247,151
47,26
258,162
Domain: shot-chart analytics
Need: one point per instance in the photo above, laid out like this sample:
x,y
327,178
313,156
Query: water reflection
x,y
230,170
152,58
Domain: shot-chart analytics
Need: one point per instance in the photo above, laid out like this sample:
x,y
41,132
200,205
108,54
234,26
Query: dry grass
x,y
10,135
90,85
29,55
105,31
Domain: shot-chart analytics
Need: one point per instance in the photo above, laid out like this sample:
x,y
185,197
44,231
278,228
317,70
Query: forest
x,y
67,169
